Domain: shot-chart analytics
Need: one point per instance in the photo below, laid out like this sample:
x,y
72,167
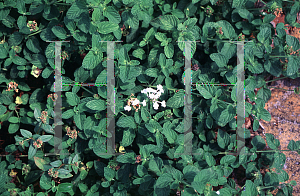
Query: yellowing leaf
x,y
18,100
121,149
40,162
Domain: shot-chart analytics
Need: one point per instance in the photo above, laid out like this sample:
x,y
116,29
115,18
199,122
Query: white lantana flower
x,y
136,102
157,95
218,192
160,88
155,105
127,108
151,96
144,102
163,103
151,90
144,91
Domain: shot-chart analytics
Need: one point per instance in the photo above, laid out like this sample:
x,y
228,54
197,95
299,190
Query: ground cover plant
x,y
149,96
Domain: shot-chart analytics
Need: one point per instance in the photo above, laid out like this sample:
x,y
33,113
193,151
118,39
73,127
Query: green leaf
x,y
210,159
45,182
25,133
228,159
11,148
206,91
250,188
156,165
98,105
169,22
79,118
112,14
264,114
15,39
177,100
19,60
244,13
128,137
164,180
128,157
223,139
293,66
65,187
76,9
2,109
91,60
145,114
33,45
152,72
258,142
139,53
68,114
293,145
4,12
83,187
228,30
153,126
271,141
127,121
13,128
243,155
124,72
13,119
84,24
102,77
271,179
169,50
292,41
264,93
141,170
46,138
3,52
226,115
159,139
59,32
220,59
56,163
72,98
264,34
106,27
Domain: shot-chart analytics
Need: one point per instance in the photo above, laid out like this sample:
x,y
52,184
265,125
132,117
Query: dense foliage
x,y
149,96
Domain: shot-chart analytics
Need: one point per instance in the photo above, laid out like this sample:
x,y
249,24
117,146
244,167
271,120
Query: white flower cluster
x,y
153,95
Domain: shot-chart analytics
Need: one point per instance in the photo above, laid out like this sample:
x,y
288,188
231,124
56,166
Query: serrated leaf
x,y
97,105
169,50
106,27
91,60
177,100
125,122
59,32
112,14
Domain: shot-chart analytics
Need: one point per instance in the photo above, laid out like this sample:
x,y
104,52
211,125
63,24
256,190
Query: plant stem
x,y
280,88
280,56
17,113
274,150
276,79
18,156
123,113
87,90
186,183
35,32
